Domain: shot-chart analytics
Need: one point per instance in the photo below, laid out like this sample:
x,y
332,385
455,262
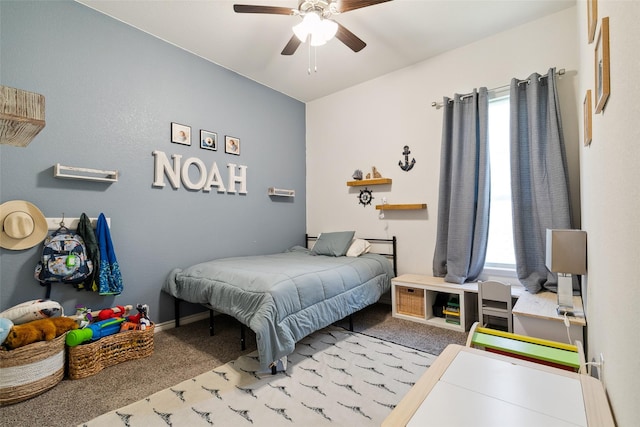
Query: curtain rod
x,y
560,72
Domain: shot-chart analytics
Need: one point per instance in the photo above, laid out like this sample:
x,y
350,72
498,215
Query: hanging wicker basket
x,y
89,359
31,370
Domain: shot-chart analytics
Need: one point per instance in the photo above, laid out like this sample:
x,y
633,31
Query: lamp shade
x,y
566,251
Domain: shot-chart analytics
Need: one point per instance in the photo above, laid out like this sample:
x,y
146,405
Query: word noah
x,y
179,171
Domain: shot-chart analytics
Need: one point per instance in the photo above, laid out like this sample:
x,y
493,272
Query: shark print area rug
x,y
333,378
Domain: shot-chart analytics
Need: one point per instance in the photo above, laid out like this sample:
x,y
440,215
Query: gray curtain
x,y
539,179
463,202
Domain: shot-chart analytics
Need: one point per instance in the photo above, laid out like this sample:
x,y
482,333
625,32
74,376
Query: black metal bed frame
x,y
391,256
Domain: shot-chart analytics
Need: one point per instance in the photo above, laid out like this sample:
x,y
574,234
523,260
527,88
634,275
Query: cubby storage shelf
x,y
363,182
413,297
402,207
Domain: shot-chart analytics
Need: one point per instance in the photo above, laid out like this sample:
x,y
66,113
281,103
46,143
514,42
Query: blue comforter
x,y
284,297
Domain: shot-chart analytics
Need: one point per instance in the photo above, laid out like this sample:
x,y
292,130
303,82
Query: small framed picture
x,y
208,140
232,145
180,134
602,66
592,19
586,106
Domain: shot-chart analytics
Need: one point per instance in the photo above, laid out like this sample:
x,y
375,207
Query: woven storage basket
x,y
89,359
31,370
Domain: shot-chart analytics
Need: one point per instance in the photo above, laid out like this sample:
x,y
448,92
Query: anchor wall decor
x,y
406,166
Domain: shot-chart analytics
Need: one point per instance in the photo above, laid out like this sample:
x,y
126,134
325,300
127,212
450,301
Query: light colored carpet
x,y
334,377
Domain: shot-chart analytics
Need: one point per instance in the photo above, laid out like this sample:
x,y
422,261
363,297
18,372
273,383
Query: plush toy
x,y
142,318
38,330
5,328
33,310
83,316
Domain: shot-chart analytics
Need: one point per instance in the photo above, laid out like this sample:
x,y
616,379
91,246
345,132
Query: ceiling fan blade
x,y
273,10
291,47
347,5
350,39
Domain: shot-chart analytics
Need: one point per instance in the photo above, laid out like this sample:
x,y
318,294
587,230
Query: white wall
x,y
610,204
369,125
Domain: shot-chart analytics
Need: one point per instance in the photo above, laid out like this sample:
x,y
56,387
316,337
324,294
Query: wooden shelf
x,y
363,182
402,207
21,116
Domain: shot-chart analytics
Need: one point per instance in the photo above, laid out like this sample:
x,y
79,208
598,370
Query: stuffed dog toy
x,y
38,330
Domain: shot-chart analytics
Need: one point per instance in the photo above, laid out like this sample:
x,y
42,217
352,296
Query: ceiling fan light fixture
x,y
317,40
329,28
310,23
321,30
301,32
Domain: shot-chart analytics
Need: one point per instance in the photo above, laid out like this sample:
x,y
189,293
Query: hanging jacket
x,y
85,230
109,276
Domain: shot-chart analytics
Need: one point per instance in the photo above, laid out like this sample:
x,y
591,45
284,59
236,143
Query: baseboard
x,y
170,324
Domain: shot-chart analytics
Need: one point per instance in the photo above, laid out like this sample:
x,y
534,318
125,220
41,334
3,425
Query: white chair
x,y
494,301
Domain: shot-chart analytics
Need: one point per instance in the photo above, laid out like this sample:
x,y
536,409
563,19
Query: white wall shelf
x,y
86,174
282,192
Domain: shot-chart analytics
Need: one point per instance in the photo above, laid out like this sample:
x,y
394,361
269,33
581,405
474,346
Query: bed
x,y
286,296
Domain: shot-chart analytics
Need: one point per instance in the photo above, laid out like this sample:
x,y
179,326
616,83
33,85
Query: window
x,y
500,252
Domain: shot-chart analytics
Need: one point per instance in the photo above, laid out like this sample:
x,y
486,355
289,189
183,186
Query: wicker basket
x,y
89,359
410,301
31,370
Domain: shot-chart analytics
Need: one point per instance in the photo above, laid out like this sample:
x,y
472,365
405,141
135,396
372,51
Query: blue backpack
x,y
64,259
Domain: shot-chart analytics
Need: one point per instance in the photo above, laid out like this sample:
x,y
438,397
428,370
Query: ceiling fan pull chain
x,y
309,58
315,60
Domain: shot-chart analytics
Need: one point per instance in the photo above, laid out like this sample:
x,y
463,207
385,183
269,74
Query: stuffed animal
x,y
5,328
33,310
38,330
142,318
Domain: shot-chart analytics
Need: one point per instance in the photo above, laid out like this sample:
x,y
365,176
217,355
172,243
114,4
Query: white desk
x,y
467,386
535,315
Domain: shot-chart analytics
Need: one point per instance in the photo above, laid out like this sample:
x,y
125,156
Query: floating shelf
x,y
363,182
402,207
86,174
282,192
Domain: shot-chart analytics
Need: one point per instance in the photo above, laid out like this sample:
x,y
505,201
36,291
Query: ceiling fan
x,y
317,25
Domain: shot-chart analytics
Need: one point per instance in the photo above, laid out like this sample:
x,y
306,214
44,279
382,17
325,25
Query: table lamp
x,y
566,255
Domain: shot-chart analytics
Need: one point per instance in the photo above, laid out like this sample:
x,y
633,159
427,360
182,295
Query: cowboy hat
x,y
23,225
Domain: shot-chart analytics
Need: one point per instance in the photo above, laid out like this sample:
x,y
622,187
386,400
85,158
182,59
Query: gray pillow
x,y
333,244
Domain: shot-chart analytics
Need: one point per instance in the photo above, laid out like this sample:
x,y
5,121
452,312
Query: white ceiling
x,y
398,33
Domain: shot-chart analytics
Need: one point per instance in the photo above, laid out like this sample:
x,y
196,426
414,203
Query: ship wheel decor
x,y
365,197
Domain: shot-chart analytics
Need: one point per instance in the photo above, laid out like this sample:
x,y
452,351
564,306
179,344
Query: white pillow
x,y
358,247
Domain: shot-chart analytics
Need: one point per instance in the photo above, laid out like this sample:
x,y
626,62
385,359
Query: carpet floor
x,y
186,352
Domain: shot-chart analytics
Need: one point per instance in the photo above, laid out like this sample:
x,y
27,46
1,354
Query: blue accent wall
x,y
111,93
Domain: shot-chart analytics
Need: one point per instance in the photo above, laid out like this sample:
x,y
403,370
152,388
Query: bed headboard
x,y
385,247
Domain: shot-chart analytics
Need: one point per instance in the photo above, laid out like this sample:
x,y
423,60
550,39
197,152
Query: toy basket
x,y
31,370
89,359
